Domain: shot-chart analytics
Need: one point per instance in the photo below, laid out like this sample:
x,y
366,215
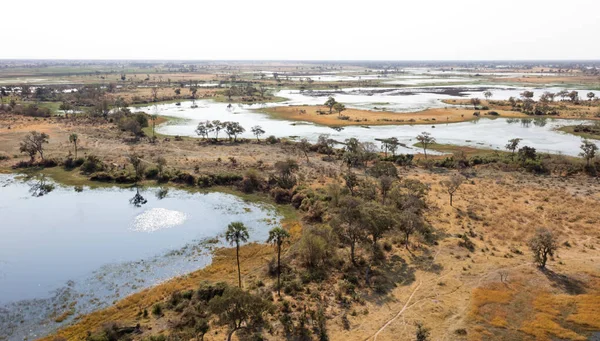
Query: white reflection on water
x,y
156,219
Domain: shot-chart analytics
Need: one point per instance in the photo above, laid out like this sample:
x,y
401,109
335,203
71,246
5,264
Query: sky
x,y
301,30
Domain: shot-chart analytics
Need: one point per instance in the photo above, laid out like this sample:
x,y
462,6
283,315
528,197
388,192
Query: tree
x,y
304,147
346,224
73,138
475,102
588,150
591,95
161,163
542,244
64,106
488,94
330,103
239,310
233,129
278,236
385,184
203,129
547,96
377,220
425,139
351,181
512,145
525,95
339,107
138,165
527,153
562,94
153,118
573,96
201,328
325,144
257,131
452,184
408,223
286,170
33,143
154,94
390,145
216,127
237,233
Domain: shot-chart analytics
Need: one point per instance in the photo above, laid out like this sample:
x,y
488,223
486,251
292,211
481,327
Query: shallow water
x,y
539,133
94,247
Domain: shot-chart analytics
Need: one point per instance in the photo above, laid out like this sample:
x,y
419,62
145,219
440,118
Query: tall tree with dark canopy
x,y
277,237
237,233
33,143
73,138
239,310
425,139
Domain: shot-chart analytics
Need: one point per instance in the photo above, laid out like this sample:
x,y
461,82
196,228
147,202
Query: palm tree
x,y
73,139
153,118
278,236
236,233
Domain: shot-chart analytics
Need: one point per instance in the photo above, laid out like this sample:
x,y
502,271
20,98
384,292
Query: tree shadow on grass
x,y
394,272
569,285
426,262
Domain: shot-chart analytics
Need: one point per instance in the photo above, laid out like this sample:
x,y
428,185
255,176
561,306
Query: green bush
x,y
251,181
102,177
157,310
184,178
71,163
404,159
272,139
151,173
92,164
281,196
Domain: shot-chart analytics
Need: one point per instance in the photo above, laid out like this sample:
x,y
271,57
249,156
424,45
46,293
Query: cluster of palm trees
x,y
237,233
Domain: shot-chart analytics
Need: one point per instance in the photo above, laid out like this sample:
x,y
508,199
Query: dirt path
x,y
397,315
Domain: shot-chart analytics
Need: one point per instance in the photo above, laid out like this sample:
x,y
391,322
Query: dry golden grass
x,y
502,210
566,109
368,117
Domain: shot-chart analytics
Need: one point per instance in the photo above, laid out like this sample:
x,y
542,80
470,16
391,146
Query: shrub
x,y
297,199
251,181
102,177
535,166
205,181
281,196
151,173
226,179
404,159
466,243
157,310
71,163
92,164
207,291
22,164
272,139
493,113
125,178
184,178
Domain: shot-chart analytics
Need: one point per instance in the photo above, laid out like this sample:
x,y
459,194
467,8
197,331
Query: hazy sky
x,y
305,29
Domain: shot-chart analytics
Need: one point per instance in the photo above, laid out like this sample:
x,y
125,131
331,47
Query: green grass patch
x,y
468,150
593,133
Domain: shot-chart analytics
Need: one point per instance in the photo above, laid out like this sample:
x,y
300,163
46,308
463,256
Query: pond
x,y
87,249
